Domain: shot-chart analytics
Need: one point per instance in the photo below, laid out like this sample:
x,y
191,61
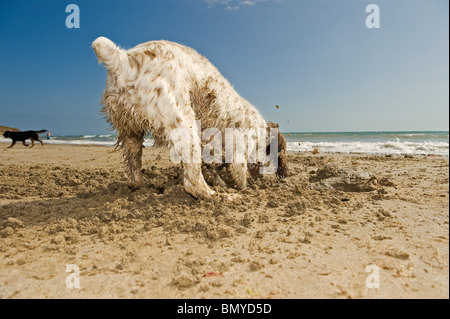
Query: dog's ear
x,y
272,125
282,170
110,54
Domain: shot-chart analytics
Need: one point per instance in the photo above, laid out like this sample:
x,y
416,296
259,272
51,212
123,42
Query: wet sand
x,y
312,235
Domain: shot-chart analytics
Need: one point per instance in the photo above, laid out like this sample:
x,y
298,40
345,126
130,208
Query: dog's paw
x,y
134,185
200,192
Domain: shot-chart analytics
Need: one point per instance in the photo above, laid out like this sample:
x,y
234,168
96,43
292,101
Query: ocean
x,y
399,143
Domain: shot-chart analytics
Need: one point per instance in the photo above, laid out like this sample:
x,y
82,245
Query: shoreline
x,y
289,151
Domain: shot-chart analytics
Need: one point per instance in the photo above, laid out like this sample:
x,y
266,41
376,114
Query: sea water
x,y
408,142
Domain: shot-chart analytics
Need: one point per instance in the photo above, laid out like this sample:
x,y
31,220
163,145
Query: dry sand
x,y
311,235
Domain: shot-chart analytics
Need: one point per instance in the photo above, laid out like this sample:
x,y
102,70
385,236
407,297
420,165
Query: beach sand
x,y
312,235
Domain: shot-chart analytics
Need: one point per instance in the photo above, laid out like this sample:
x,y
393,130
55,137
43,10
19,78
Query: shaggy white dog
x,y
161,86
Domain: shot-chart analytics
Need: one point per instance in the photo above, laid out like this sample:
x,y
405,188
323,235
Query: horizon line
x,y
300,132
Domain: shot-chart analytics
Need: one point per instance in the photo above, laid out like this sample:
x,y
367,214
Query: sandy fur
x,y
160,86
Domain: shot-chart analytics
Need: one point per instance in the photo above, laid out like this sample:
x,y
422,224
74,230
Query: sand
x,y
312,235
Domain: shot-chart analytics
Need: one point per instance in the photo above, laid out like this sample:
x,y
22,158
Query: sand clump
x,y
311,235
344,179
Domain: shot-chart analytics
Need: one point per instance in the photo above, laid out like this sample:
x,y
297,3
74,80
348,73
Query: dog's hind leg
x,y
24,143
184,145
37,139
132,151
173,113
32,143
193,181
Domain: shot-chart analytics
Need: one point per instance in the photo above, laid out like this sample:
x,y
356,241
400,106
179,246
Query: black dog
x,y
22,136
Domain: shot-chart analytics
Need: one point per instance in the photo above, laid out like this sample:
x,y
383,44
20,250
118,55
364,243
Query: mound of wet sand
x,y
344,179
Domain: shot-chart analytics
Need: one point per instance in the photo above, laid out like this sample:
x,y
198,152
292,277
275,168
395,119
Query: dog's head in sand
x,y
162,87
282,169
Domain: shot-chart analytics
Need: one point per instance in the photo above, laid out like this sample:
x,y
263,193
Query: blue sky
x,y
316,59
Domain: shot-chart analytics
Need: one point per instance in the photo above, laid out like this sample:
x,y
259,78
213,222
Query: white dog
x,y
160,86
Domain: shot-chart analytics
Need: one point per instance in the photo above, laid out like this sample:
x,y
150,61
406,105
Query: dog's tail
x,y
109,54
41,131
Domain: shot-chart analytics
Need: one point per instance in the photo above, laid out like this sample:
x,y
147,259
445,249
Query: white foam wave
x,y
391,147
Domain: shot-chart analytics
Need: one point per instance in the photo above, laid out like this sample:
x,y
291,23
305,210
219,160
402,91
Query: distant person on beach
x,y
48,135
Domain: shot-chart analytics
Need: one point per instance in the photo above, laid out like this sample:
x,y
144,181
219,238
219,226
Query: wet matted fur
x,y
159,86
